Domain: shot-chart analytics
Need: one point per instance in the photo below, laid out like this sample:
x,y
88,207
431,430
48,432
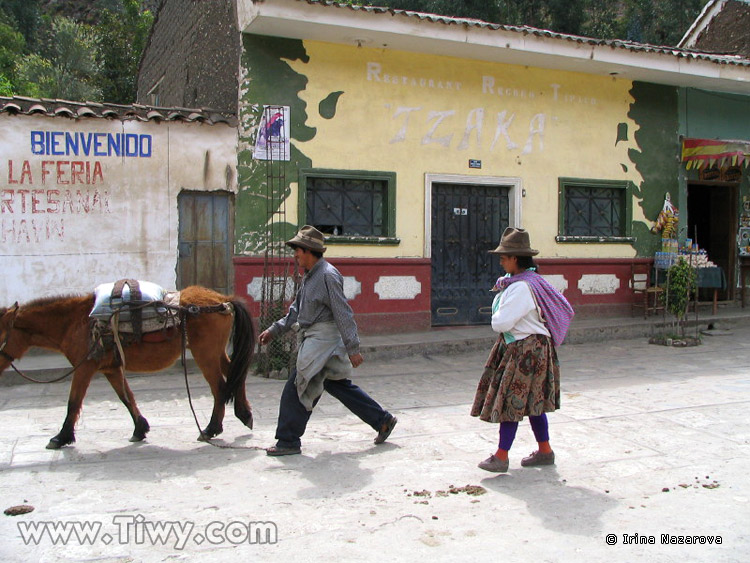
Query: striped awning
x,y
707,153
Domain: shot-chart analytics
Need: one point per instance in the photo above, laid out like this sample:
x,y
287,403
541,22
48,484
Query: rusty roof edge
x,y
22,105
617,43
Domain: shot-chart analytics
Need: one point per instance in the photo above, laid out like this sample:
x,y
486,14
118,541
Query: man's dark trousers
x,y
293,416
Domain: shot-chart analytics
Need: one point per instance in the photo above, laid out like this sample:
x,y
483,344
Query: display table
x,y
711,278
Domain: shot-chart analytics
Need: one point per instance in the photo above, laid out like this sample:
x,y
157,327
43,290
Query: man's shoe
x,y
386,430
280,450
494,465
538,458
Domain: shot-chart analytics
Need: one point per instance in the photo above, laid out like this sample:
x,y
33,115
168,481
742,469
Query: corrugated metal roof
x,y
78,110
525,30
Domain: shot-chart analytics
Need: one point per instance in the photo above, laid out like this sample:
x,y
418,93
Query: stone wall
x,y
192,56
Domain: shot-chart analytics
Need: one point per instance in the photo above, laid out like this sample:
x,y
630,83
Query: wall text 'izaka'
x,y
434,127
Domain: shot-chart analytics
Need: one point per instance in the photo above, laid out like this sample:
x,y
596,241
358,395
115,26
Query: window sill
x,y
588,239
383,241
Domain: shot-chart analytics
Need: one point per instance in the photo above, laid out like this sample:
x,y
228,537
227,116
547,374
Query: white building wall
x,y
69,222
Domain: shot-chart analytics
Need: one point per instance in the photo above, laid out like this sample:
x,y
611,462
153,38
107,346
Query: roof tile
x,y
77,110
526,30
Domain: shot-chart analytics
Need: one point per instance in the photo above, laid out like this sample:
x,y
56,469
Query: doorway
x,y
467,221
712,223
205,250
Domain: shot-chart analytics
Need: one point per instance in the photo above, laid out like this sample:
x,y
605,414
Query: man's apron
x,y
321,355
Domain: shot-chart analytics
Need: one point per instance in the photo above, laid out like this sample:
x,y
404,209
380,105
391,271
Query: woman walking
x,y
522,374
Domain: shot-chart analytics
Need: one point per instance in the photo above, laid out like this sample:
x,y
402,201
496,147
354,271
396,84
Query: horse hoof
x,y
57,443
203,437
245,414
141,429
247,420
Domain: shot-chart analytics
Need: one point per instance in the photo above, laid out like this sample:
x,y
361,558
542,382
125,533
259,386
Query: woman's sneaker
x,y
538,458
494,465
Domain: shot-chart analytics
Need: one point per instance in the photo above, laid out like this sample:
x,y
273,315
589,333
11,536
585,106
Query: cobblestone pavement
x,y
651,445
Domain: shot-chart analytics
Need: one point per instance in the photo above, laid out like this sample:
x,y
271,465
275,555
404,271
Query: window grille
x,y
349,206
598,210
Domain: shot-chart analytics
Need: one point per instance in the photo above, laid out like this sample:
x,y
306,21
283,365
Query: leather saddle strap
x,y
136,316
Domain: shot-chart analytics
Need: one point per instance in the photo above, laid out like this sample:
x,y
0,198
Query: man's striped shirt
x,y
321,299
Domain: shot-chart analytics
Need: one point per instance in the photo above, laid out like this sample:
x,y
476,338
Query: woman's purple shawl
x,y
555,310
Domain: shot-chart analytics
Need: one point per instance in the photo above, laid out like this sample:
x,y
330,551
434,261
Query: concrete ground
x,y
651,445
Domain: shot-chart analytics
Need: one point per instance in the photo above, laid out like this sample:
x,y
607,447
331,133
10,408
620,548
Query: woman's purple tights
x,y
508,431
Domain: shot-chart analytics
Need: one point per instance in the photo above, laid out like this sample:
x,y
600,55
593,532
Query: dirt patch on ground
x,y
681,342
18,509
471,490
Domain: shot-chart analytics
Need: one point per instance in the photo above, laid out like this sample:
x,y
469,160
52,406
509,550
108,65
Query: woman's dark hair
x,y
526,262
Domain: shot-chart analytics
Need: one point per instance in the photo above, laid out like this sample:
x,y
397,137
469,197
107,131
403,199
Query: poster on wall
x,y
272,136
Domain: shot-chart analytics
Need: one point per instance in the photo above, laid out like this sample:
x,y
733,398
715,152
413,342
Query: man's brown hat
x,y
308,237
515,242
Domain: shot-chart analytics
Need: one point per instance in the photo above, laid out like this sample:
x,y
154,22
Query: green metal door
x,y
467,222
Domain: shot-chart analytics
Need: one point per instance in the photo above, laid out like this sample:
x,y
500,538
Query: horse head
x,y
7,319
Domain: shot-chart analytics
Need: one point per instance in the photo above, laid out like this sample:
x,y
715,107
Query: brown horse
x,y
62,324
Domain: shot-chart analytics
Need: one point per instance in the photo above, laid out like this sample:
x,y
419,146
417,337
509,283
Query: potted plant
x,y
681,283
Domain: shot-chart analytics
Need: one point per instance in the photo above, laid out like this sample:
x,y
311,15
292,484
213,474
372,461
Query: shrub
x,y
681,282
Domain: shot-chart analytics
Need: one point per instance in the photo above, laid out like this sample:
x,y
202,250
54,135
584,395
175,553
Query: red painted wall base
x,y
393,295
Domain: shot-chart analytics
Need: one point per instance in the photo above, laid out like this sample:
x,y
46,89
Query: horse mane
x,y
43,302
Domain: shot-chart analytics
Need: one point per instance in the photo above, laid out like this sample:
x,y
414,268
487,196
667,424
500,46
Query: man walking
x,y
327,348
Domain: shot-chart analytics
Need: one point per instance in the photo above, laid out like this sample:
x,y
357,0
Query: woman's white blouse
x,y
514,313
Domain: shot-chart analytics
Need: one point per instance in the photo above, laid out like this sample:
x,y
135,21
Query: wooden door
x,y
204,243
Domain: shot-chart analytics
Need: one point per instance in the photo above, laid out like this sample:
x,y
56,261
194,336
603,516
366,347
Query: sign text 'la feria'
x,y
60,172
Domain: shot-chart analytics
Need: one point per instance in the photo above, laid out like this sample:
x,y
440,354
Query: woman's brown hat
x,y
515,242
308,237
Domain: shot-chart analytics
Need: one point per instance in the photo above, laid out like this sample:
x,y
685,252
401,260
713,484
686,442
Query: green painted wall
x,y
654,109
712,115
268,79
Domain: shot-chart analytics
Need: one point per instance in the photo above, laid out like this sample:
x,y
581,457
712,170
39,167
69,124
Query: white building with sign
x,y
92,193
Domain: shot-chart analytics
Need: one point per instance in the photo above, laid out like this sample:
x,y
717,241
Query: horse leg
x,y
242,408
215,425
116,378
78,387
212,374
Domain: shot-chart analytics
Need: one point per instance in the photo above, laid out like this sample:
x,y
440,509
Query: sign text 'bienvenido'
x,y
66,143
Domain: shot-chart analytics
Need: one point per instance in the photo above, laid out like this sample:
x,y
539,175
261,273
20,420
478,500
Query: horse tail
x,y
243,346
